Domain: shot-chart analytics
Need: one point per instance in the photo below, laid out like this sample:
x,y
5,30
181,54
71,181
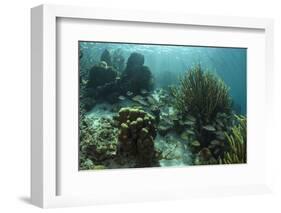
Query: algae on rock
x,y
98,142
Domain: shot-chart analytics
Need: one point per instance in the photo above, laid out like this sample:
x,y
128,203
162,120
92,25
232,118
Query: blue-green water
x,y
148,105
167,63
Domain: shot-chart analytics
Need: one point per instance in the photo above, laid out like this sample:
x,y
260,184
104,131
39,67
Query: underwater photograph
x,y
158,105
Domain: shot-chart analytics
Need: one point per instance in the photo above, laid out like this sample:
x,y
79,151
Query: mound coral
x,y
136,136
202,95
236,141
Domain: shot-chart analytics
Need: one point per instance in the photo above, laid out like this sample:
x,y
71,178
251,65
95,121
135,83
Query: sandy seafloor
x,y
172,146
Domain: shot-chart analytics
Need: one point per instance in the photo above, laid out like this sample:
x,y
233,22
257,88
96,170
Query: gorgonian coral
x,y
236,141
201,94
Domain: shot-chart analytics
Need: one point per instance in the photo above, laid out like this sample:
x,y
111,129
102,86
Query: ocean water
x,y
168,62
100,137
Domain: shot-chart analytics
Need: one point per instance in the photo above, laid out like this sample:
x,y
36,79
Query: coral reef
x,y
236,140
129,121
101,74
98,142
87,103
205,157
156,112
118,60
136,136
106,57
136,60
202,95
136,77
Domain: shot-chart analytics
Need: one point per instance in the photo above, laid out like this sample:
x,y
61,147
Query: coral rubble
x,y
98,142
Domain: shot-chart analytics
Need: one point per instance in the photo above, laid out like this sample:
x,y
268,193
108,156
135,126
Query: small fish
x,y
129,93
209,128
142,102
190,132
195,143
189,123
191,118
99,167
220,123
143,92
220,135
84,81
215,142
151,100
121,98
184,136
137,98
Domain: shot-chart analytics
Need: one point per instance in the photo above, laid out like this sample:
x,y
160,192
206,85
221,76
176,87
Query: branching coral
x,y
136,135
202,94
236,140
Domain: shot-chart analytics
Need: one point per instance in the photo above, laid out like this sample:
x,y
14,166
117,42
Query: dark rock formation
x,y
136,76
101,74
105,56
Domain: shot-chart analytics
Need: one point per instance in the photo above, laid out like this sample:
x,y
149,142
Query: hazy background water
x,y
168,63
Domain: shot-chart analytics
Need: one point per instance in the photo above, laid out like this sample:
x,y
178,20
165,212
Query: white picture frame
x,y
44,153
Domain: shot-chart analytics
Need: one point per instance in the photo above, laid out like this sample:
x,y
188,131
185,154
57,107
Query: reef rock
x,y
118,60
87,103
136,136
136,77
135,60
205,157
100,75
105,56
97,142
